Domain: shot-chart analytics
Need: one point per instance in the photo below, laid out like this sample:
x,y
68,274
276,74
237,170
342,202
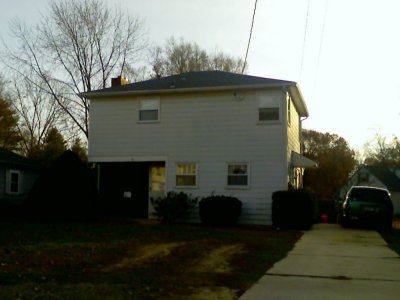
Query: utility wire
x,y
304,41
320,45
251,32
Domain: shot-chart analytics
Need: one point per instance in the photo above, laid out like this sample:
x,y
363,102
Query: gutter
x,y
94,94
299,100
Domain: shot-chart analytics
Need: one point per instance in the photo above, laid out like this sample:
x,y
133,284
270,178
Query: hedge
x,y
63,192
294,209
173,207
220,210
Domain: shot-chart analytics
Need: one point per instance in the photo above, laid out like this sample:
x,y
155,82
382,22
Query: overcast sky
x,y
345,54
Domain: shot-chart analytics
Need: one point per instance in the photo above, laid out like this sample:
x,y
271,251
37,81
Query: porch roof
x,y
300,161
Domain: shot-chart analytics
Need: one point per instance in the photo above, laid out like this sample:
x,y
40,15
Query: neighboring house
x,y
201,133
378,176
17,176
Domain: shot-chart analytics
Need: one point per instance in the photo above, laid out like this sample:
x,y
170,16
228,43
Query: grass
x,y
127,260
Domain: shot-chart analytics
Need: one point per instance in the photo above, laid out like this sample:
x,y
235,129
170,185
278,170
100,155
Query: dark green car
x,y
370,206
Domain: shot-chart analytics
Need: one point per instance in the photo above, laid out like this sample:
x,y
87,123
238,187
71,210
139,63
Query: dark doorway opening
x,y
124,188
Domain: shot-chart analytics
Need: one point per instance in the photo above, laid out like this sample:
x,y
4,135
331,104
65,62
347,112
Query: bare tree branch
x,y
180,57
77,47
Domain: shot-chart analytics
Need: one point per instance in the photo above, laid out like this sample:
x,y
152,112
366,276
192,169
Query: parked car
x,y
370,206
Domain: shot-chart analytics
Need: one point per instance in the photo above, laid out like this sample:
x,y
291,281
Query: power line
x,y
251,32
304,40
320,45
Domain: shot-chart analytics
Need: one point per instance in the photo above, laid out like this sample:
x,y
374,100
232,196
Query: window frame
x,y
268,104
149,102
247,174
188,174
9,182
272,112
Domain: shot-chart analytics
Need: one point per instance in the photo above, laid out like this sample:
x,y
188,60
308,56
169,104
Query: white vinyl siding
x,y
294,131
210,129
294,141
289,109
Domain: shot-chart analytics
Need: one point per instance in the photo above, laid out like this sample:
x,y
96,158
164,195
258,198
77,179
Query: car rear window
x,y
369,195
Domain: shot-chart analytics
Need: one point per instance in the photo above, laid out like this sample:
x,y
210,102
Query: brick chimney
x,y
118,81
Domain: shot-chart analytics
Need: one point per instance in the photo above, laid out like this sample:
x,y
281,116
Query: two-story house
x,y
201,133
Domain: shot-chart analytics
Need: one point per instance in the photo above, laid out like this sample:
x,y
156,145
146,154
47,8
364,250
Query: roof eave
x,y
299,100
94,95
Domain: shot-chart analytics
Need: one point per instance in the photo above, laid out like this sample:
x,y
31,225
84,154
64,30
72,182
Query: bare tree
x,y
37,113
9,135
379,151
223,62
157,61
178,57
78,47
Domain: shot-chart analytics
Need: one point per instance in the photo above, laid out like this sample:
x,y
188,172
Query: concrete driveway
x,y
330,262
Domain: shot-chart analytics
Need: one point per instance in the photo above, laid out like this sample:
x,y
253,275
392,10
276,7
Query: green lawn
x,y
127,260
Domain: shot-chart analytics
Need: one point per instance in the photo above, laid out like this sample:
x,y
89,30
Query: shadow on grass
x,y
90,260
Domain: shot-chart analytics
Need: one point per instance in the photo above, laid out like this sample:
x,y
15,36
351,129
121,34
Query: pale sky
x,y
346,60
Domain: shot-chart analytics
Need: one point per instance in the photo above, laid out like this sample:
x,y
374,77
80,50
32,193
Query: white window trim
x,y
238,187
196,175
8,182
141,102
269,121
289,109
268,103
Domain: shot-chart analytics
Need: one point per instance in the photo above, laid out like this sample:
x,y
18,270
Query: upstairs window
x,y
186,175
268,110
238,175
268,114
149,110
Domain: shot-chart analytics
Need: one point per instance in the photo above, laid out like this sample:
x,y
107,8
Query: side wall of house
x,y
27,180
210,130
294,139
2,182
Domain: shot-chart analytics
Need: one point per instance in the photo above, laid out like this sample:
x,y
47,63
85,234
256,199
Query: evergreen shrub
x,y
294,209
173,207
220,210
63,191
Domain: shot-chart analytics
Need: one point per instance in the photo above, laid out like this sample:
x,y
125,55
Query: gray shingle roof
x,y
10,158
193,80
386,176
200,82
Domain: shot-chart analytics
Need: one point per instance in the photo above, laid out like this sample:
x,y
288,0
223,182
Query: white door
x,y
156,185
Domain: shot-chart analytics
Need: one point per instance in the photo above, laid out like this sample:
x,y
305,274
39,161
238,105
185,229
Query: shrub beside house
x,y
63,191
